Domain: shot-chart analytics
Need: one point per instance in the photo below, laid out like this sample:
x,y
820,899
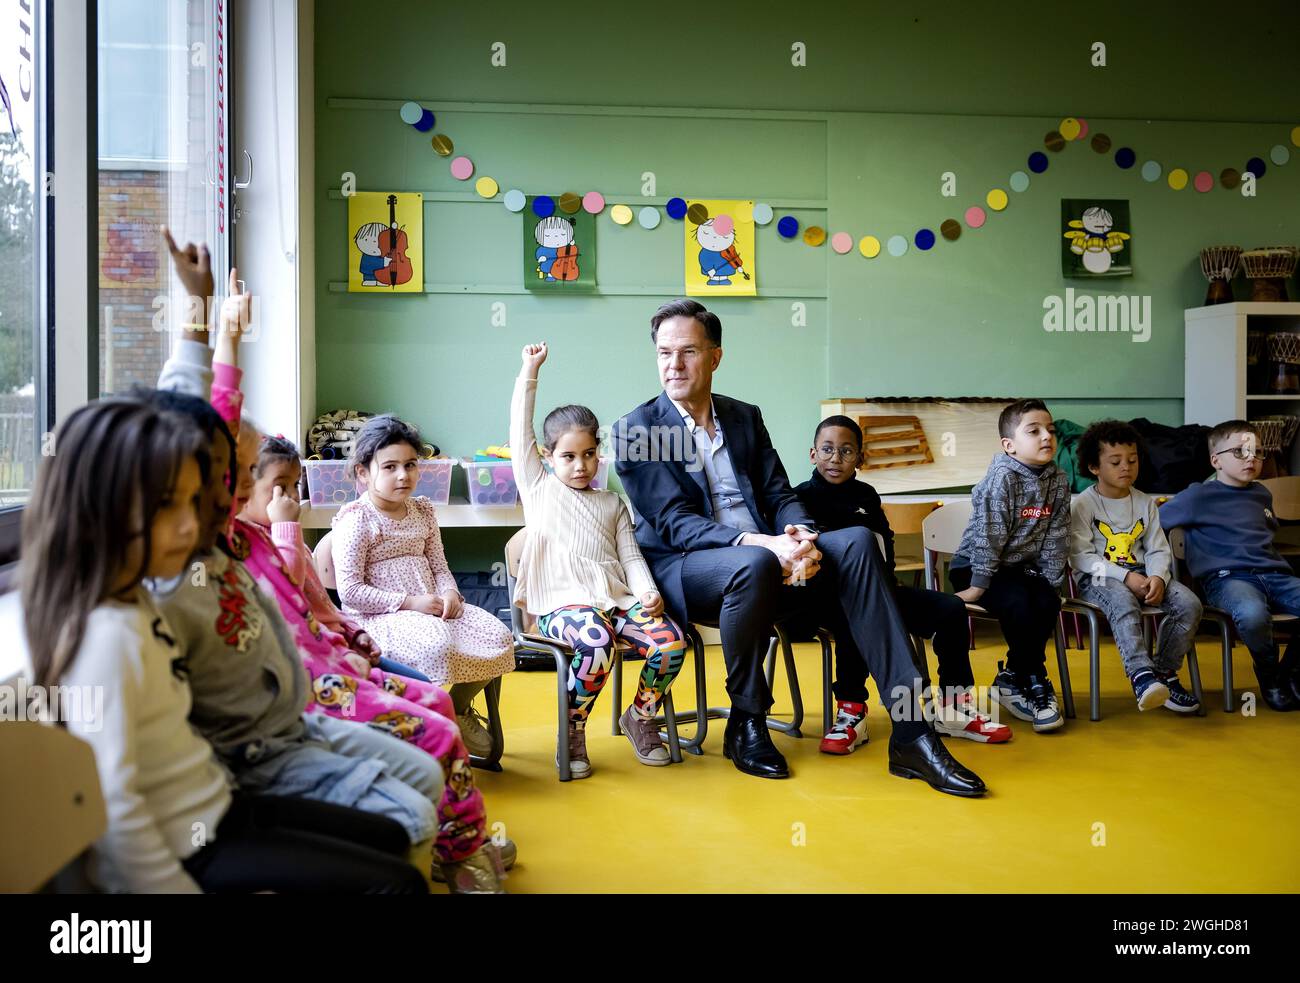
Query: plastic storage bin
x,y
491,484
328,483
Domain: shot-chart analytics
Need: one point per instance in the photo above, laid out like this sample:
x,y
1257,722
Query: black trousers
x,y
928,613
293,845
1026,606
739,589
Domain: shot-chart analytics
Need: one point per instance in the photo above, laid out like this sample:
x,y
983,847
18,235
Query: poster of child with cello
x,y
385,242
559,248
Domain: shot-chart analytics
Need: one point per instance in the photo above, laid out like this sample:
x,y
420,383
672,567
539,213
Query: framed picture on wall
x,y
1096,238
720,248
559,248
386,242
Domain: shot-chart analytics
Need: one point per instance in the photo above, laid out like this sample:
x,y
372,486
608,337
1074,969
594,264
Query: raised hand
x,y
533,356
193,267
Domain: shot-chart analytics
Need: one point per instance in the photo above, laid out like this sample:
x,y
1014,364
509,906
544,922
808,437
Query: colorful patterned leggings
x,y
592,633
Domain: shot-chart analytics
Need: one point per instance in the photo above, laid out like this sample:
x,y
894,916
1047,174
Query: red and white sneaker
x,y
849,730
959,717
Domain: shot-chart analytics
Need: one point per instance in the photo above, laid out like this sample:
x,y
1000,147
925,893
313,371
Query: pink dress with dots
x,y
379,560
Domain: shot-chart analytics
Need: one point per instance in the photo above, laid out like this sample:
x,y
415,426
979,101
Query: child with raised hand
x,y
1123,561
84,622
393,578
582,574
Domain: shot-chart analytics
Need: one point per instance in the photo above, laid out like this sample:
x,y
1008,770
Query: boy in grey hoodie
x,y
1013,555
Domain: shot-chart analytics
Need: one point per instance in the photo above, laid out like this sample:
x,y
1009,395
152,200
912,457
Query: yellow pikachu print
x,y
1119,545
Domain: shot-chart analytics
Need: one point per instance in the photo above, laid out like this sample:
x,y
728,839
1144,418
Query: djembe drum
x,y
1284,352
1219,264
1269,268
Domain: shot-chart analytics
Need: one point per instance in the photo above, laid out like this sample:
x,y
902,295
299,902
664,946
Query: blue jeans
x,y
1250,598
1182,612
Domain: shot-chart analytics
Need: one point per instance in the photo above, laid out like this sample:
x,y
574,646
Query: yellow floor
x,y
1179,804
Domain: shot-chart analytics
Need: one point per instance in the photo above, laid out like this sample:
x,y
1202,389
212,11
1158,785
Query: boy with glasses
x,y
1230,526
836,500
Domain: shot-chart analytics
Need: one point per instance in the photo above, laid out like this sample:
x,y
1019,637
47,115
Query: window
x,y
163,160
22,131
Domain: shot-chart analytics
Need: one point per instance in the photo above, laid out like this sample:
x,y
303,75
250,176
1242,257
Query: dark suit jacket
x,y
674,511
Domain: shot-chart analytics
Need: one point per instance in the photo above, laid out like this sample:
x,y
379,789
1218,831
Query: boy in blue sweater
x,y
1230,525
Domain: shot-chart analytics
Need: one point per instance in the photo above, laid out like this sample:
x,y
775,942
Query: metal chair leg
x,y
828,675
1094,665
700,715
1194,668
1063,666
562,728
1225,638
674,743
792,675
492,696
617,683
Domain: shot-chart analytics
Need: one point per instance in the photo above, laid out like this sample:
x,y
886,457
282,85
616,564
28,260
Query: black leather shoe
x,y
749,746
1279,695
927,759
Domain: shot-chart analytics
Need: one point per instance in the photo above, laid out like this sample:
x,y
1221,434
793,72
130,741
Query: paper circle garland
x,y
1256,166
1038,162
1151,170
486,187
515,200
1125,158
1069,128
697,213
543,206
1295,136
924,239
621,214
462,168
950,229
841,242
593,202
442,145
648,217
814,235
869,246
1019,181
570,203
1054,141
762,213
1178,179
1083,128
975,216
1101,143
897,245
788,227
1230,177
1203,182
1279,155
996,199
676,208
411,112
723,224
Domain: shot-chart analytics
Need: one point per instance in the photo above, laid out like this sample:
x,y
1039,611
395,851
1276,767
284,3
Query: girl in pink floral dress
x,y
393,578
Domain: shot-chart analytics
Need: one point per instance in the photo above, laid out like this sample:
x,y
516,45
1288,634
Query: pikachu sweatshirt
x,y
1109,537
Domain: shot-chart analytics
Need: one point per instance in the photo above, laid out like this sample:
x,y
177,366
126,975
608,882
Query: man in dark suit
x,y
730,544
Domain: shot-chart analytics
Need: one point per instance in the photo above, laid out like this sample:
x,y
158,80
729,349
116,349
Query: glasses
x,y
687,354
846,452
1240,453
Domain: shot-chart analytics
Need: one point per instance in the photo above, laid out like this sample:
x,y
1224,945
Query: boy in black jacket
x,y
836,499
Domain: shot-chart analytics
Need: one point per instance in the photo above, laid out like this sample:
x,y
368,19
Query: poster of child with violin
x,y
720,248
385,242
559,250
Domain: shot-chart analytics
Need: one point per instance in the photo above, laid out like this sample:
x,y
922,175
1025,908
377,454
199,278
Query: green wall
x,y
857,140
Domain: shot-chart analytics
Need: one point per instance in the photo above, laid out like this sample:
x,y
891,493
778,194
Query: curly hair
x,y
1116,433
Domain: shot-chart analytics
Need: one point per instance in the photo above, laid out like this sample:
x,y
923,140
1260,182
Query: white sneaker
x,y
478,741
961,718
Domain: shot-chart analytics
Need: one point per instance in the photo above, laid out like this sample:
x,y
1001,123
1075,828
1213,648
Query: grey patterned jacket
x,y
1019,518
